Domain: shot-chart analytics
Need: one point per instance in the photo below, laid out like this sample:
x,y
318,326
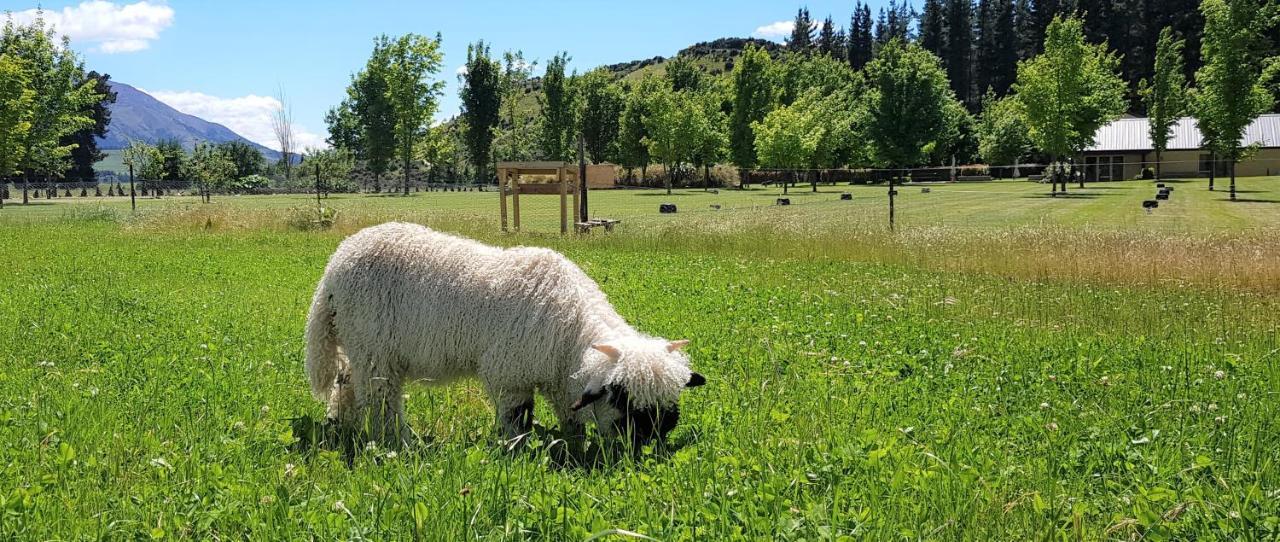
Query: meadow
x,y
1004,366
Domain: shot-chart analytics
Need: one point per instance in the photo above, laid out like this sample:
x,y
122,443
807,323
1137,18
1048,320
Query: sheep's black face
x,y
641,424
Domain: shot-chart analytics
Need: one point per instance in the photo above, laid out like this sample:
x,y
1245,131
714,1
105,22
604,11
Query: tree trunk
x,y
813,180
706,177
671,173
1233,178
743,176
1157,164
406,171
26,185
1213,168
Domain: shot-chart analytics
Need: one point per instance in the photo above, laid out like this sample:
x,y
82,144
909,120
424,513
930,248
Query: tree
x,y
437,151
1166,94
709,138
861,42
144,162
412,92
557,111
344,127
671,127
787,138
517,138
602,108
61,95
830,41
172,160
372,107
516,72
632,151
684,74
481,94
1230,94
248,161
753,97
932,33
210,168
801,40
16,100
995,61
332,167
85,152
1068,92
282,127
1002,136
958,51
906,105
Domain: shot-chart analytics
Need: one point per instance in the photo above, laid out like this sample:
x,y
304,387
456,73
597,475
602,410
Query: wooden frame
x,y
566,183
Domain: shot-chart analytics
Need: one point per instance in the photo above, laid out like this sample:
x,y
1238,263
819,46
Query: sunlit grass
x,y
1002,380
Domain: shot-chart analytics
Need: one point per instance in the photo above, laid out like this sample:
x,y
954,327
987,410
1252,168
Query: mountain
x,y
138,116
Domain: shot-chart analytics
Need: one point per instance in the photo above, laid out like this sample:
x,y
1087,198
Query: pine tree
x,y
931,27
85,153
1001,61
958,57
861,42
801,40
1028,37
827,41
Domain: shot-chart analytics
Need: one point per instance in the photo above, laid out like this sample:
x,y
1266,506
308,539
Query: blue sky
x,y
225,60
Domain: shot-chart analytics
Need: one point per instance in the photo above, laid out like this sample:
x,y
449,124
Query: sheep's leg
x,y
515,413
385,411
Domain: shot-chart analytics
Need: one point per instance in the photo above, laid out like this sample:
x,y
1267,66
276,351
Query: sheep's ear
x,y
588,397
696,380
677,345
608,350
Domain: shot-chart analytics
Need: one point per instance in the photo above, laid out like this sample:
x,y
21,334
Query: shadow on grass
x,y
564,452
1249,200
1068,195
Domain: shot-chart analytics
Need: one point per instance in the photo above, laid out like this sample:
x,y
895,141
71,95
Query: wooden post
x,y
582,181
577,211
502,197
133,203
515,199
564,200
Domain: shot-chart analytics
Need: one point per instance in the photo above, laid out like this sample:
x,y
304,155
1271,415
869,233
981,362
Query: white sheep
x,y
402,302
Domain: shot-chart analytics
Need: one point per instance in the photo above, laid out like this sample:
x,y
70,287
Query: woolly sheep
x,y
402,302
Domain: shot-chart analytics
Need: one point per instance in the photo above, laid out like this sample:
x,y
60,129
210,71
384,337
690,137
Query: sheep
x,y
402,302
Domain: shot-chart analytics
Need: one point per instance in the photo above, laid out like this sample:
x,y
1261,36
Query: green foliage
x,y
1002,134
557,136
909,105
753,98
1166,95
146,160
1069,91
1230,94
413,62
632,151
788,137
344,126
61,95
84,142
602,105
801,40
481,93
438,149
371,105
209,167
173,160
16,100
333,166
247,159
684,74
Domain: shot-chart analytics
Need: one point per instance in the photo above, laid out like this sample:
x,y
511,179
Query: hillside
x,y
715,57
138,116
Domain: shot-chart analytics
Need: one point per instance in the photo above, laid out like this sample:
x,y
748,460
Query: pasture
x,y
1003,366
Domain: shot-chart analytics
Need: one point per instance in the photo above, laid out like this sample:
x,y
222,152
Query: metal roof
x,y
1134,134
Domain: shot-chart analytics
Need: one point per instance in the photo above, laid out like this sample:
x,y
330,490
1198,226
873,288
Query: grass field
x,y
1005,366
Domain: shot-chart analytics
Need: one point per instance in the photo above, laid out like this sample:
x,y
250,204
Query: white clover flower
x,y
1044,406
1219,374
1052,426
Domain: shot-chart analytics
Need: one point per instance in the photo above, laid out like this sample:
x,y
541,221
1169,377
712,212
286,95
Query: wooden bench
x,y
964,178
606,223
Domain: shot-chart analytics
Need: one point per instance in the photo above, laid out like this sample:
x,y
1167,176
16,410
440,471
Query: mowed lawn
x,y
149,368
1111,205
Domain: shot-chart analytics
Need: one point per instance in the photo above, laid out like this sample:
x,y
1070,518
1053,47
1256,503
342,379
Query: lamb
x,y
401,302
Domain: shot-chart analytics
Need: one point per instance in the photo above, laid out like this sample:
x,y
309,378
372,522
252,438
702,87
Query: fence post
x,y
582,179
892,193
133,202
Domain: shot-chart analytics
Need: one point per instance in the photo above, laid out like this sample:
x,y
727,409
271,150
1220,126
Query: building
x,y
1122,149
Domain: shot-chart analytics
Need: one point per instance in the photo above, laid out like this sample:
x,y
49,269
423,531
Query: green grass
x,y
149,368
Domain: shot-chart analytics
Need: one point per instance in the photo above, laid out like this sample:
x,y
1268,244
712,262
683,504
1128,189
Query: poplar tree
x,y
481,96
1165,95
412,91
753,97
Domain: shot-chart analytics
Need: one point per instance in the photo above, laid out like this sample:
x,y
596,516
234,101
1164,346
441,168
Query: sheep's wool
x,y
401,301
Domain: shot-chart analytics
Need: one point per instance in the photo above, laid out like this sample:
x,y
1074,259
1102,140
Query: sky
x,y
227,61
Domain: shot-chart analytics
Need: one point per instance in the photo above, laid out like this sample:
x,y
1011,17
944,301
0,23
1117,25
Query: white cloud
x,y
773,31
249,116
108,26
462,70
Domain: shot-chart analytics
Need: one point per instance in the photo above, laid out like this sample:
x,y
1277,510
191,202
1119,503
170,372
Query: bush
x,y
249,182
308,219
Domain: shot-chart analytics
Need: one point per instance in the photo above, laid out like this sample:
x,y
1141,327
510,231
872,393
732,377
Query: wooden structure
x,y
538,178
